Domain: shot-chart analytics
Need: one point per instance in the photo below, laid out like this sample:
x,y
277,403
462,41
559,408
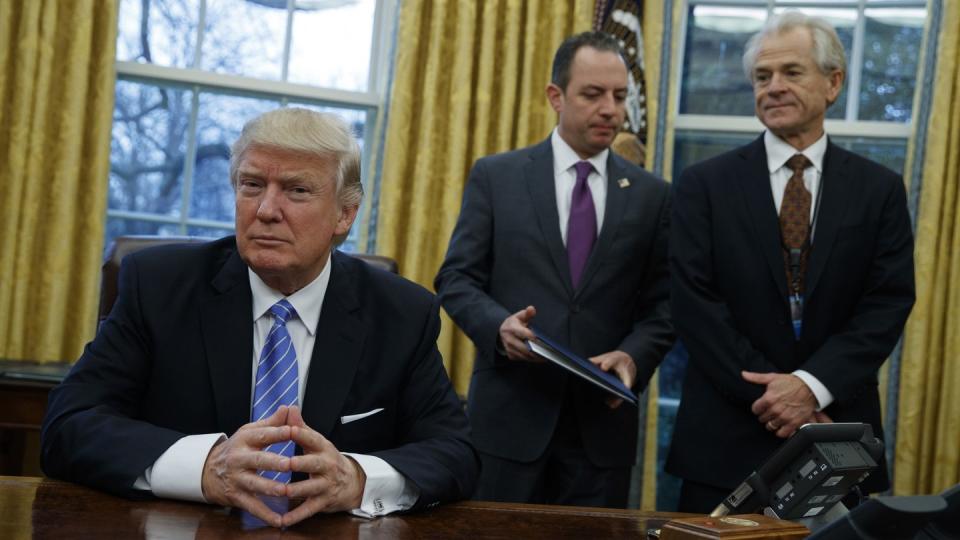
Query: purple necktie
x,y
582,226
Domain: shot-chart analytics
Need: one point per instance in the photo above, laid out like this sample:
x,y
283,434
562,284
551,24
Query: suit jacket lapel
x,y
541,184
336,351
226,321
612,216
754,180
834,197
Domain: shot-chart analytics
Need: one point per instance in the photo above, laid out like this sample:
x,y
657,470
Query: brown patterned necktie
x,y
795,224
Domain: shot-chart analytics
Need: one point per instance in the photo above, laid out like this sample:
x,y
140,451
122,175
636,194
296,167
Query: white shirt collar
x,y
565,157
307,301
779,151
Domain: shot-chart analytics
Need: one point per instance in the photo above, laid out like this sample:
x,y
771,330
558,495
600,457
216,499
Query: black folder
x,y
579,366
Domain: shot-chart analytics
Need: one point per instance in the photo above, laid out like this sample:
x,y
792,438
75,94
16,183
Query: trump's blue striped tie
x,y
277,376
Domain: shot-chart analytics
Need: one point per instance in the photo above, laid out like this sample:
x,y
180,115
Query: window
x,y
190,73
872,116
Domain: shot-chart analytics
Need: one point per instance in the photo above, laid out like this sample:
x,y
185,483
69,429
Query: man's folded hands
x,y
231,473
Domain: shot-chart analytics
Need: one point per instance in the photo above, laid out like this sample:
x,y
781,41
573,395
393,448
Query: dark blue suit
x,y
506,253
174,358
729,302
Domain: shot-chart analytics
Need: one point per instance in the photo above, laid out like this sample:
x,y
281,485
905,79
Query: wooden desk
x,y
36,508
23,391
23,401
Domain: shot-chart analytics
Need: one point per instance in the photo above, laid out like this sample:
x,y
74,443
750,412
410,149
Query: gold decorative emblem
x,y
740,521
623,182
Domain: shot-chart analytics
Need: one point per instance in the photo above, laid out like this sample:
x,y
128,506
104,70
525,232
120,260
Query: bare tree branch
x,y
145,31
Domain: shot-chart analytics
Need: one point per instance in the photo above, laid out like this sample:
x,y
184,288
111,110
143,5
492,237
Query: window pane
x,y
330,44
147,148
891,153
121,226
220,118
165,33
208,232
893,41
693,147
242,37
672,370
713,78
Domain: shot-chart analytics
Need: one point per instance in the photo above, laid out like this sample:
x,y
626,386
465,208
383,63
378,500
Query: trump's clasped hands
x,y
231,472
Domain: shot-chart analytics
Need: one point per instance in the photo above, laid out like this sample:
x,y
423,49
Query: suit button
x,y
575,308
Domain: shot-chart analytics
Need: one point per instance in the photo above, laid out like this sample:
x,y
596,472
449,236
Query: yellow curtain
x,y
56,97
927,458
470,81
652,21
655,33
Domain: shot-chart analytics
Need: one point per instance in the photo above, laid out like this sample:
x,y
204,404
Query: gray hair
x,y
827,49
301,130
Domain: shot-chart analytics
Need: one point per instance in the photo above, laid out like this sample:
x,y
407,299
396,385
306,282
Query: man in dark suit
x,y
527,250
786,318
277,339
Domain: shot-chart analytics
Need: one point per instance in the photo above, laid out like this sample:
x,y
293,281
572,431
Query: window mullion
x,y
855,69
681,42
133,215
384,15
287,42
201,25
236,83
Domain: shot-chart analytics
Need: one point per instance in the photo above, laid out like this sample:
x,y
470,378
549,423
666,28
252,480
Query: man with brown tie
x,y
787,318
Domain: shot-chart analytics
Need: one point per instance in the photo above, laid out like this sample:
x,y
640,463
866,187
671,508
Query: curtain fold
x,y
470,80
662,33
56,100
927,454
661,24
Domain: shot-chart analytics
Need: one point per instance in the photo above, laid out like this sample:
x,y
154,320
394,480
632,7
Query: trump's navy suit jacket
x,y
506,252
730,307
175,358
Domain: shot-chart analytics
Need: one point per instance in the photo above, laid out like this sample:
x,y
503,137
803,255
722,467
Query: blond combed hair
x,y
296,129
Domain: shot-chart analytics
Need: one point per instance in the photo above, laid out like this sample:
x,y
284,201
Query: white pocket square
x,y
354,417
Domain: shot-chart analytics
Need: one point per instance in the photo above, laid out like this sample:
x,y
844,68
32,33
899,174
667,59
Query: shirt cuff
x,y
386,490
824,397
178,472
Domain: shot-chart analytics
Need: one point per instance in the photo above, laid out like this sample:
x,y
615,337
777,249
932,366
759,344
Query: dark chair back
x,y
120,248
124,245
378,261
